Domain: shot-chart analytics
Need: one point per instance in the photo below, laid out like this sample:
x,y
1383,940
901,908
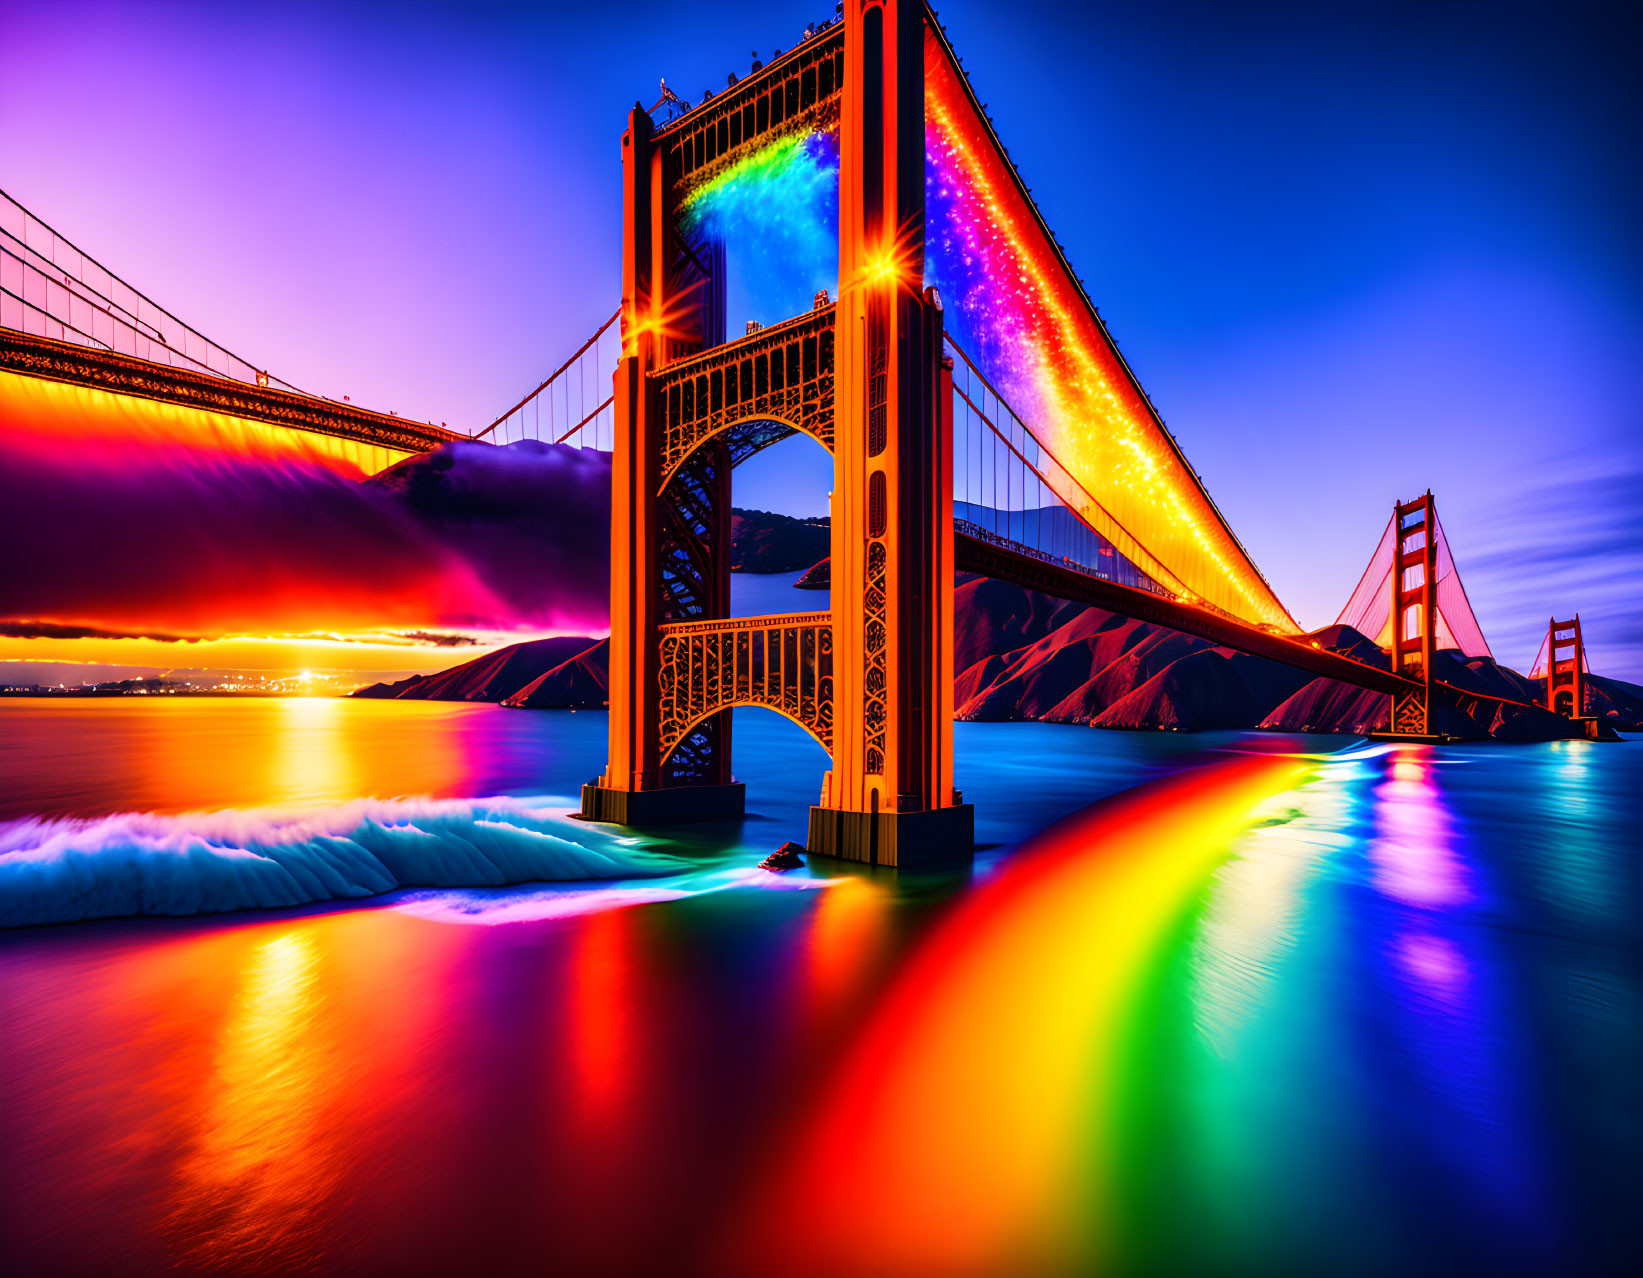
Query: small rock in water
x,y
785,857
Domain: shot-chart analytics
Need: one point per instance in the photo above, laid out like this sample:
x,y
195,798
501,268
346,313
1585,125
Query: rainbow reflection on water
x,y
1262,1010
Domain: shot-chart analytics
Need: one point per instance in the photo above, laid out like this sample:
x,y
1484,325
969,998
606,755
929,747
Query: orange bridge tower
x,y
866,377
1414,611
1565,668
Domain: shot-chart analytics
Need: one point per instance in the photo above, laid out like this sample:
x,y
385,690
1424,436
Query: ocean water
x,y
1228,1003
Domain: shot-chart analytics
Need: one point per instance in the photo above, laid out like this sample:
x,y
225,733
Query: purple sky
x,y
1351,250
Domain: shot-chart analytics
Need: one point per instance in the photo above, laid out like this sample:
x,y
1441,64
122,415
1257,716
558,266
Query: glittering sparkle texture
x,y
777,211
1011,304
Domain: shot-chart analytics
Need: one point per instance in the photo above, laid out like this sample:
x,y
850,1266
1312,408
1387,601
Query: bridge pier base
x,y
1596,729
670,805
907,840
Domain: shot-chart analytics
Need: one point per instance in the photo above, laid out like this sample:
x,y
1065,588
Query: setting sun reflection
x,y
259,1166
312,749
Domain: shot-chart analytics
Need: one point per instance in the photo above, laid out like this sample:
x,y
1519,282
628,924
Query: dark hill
x,y
582,682
1023,655
527,518
764,542
492,677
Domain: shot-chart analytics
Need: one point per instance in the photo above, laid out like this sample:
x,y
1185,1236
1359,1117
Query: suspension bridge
x,y
979,416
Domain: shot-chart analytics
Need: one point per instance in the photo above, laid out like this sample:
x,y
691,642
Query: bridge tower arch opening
x,y
866,377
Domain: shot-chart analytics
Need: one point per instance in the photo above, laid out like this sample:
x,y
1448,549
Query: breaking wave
x,y
64,869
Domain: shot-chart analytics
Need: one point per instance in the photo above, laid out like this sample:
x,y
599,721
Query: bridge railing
x,y
784,663
49,287
1005,486
965,528
574,403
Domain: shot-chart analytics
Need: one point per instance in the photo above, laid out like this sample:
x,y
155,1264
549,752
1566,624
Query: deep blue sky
x,y
1352,250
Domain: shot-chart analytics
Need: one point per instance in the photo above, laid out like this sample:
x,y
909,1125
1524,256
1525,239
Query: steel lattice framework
x,y
755,391
796,93
870,379
782,663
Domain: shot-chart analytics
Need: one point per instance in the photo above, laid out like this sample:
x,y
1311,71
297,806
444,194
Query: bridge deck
x,y
77,365
992,559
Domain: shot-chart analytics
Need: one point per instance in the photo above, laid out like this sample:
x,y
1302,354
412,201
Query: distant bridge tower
x,y
1565,668
1414,611
866,378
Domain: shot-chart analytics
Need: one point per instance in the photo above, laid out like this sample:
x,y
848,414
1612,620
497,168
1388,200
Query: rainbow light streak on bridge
x,y
777,210
1011,304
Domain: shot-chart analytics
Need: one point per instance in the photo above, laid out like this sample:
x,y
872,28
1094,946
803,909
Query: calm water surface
x,y
1220,1004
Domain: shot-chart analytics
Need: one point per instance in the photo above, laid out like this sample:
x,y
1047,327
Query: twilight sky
x,y
1351,250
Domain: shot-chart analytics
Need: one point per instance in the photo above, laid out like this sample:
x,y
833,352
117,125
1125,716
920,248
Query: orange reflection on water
x,y
954,1138
601,1022
313,749
178,754
261,1162
847,938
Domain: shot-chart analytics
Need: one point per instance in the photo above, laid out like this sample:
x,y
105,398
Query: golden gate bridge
x,y
1084,495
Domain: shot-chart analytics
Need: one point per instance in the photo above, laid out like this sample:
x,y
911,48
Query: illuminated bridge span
x,y
979,416
69,321
1004,436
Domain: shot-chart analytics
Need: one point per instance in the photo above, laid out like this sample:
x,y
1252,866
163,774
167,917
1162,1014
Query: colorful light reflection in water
x,y
1267,1013
1003,1018
248,1186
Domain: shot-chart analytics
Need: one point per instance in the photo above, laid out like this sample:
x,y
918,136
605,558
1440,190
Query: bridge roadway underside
x,y
974,555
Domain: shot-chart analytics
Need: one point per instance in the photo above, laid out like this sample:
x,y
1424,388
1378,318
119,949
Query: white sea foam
x,y
490,907
60,870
